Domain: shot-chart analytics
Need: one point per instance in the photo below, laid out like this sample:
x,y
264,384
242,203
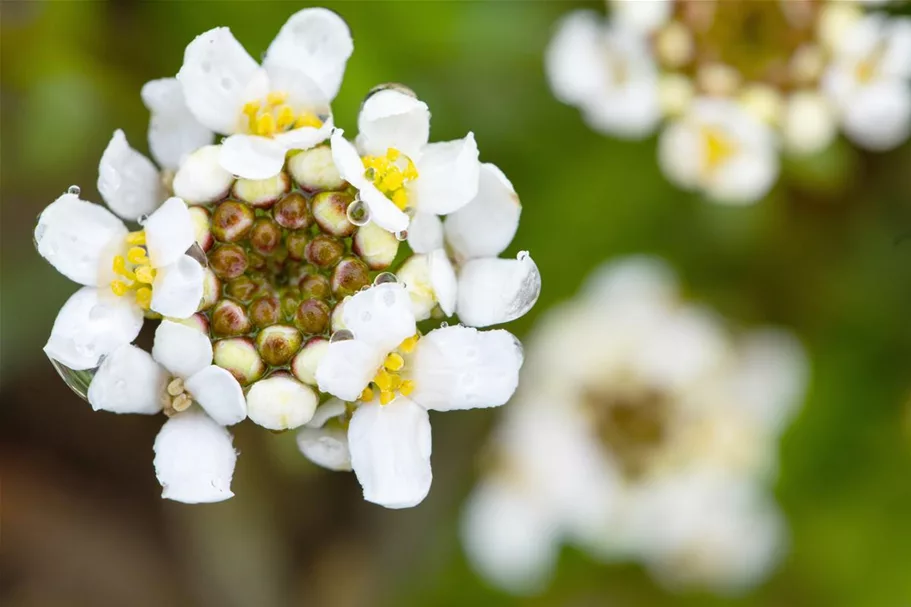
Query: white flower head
x,y
400,173
396,376
124,274
270,109
721,150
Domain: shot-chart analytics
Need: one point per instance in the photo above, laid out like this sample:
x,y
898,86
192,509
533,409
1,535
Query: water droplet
x,y
78,381
75,190
341,335
401,236
444,324
358,212
384,278
389,298
522,256
142,219
394,86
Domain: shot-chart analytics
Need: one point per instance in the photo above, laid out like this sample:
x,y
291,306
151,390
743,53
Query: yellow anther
x,y
251,109
285,117
411,171
719,147
394,362
386,397
407,387
137,256
120,267
276,98
400,198
408,345
265,125
308,119
144,297
145,274
393,179
119,288
367,395
395,381
383,380
136,238
393,154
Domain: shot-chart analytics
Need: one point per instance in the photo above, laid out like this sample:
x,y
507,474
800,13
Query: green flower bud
x,y
292,212
238,355
330,211
228,261
255,261
262,193
265,237
278,344
314,285
211,289
304,364
242,288
232,221
376,246
314,169
265,311
324,251
202,227
296,243
229,319
312,316
349,276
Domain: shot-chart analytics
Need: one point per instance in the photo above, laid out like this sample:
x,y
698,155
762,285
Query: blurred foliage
x,y
827,255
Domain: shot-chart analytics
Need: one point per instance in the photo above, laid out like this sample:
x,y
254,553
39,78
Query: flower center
x,y
135,272
272,115
868,68
717,148
390,174
388,380
175,398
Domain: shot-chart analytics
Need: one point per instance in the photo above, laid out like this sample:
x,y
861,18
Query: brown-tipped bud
x,y
324,251
242,288
202,228
228,261
330,211
376,246
314,169
349,276
314,285
296,243
304,364
265,237
262,193
312,316
292,212
238,355
256,261
229,319
265,311
211,289
232,221
278,344
197,321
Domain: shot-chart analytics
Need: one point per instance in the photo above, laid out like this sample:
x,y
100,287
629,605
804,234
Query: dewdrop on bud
x,y
330,211
202,228
229,319
375,246
238,355
211,289
341,335
228,261
262,193
200,178
358,212
280,402
305,363
292,212
385,277
349,277
312,316
314,169
278,344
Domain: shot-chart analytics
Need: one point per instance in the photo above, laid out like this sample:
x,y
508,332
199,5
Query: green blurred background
x,y
824,255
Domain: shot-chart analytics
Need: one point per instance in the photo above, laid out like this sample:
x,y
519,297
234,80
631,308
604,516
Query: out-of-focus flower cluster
x,y
734,83
643,430
272,261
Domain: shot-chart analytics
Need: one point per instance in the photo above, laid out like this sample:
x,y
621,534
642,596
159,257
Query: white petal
x,y
642,16
463,368
684,346
219,393
201,179
573,60
415,275
215,77
305,137
447,176
178,288
425,233
494,291
745,179
326,447
332,408
390,452
194,459
392,119
252,157
878,117
380,316
128,381
347,368
173,130
317,42
679,154
485,226
182,350
169,232
443,279
128,181
74,236
280,403
809,122
88,328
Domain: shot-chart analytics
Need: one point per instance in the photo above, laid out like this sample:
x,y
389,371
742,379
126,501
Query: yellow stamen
x,y
136,238
408,345
386,397
276,98
367,395
285,117
393,179
308,119
145,274
400,198
119,288
411,171
120,267
407,387
395,381
393,154
394,362
265,125
251,109
137,256
383,380
719,147
144,297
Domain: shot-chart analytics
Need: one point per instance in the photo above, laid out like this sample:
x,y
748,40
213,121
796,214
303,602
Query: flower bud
x,y
200,178
312,316
289,300
243,288
265,237
349,276
314,285
304,364
228,261
197,321
229,319
238,356
296,244
201,227
262,193
324,251
265,311
376,246
338,316
314,169
330,211
292,212
278,344
256,261
232,221
211,289
280,402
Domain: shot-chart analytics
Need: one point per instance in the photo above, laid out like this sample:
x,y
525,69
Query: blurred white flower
x,y
173,130
661,432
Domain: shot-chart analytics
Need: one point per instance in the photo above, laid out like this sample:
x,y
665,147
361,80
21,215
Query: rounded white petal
x,y
128,181
219,393
415,275
679,154
392,119
178,288
317,42
182,350
380,316
332,408
447,176
494,291
326,447
252,157
194,459
463,368
173,130
306,362
128,381
88,328
809,123
685,346
306,137
878,117
573,59
215,76
347,368
74,236
281,403
443,279
745,180
425,233
169,232
485,226
201,179
643,16
390,452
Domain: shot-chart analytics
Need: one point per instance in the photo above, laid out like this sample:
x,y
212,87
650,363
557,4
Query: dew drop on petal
x,y
384,278
522,256
401,236
75,190
341,335
444,324
358,212
395,86
78,381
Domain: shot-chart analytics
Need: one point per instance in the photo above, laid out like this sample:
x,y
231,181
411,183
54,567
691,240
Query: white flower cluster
x,y
736,82
642,430
228,230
